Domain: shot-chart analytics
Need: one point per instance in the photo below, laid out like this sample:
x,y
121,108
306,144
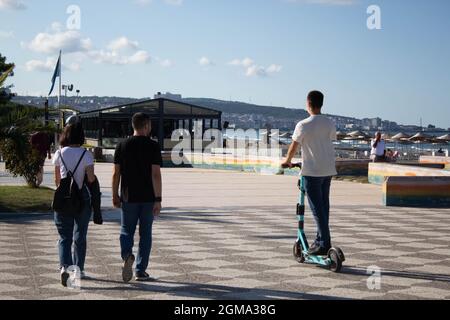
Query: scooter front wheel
x,y
298,253
335,260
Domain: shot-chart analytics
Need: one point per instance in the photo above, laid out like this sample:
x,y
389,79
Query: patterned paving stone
x,y
239,251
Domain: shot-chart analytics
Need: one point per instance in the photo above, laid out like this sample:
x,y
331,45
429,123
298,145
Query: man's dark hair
x,y
73,134
315,99
140,120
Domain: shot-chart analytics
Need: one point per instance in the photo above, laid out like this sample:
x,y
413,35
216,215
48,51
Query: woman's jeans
x,y
318,191
73,230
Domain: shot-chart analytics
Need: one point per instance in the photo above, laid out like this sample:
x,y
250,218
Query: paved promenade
x,y
229,235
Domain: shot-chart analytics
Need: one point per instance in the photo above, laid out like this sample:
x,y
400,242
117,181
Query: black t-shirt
x,y
136,156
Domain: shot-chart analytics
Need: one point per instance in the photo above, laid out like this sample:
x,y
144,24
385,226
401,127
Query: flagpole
x,y
59,91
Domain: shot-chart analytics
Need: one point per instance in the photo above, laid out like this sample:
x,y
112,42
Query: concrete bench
x,y
430,159
378,172
427,192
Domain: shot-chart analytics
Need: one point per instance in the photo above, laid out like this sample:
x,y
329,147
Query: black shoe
x,y
127,270
316,250
144,277
64,277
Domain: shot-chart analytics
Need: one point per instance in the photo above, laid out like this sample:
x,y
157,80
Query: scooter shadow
x,y
359,271
208,291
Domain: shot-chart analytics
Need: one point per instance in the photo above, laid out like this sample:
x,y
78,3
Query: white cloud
x,y
140,56
49,65
251,69
113,57
123,43
274,68
327,2
120,51
113,54
166,63
6,34
12,4
39,65
205,62
69,41
246,62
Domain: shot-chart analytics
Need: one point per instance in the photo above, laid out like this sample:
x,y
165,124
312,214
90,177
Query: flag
x,y
56,74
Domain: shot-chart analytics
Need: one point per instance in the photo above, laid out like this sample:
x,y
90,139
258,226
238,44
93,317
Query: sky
x,y
270,52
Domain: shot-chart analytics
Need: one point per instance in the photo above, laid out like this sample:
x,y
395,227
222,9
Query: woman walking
x,y
72,229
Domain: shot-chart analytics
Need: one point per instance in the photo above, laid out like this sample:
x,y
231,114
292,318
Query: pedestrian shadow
x,y
358,271
24,218
208,291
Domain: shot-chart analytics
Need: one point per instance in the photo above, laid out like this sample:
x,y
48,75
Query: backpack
x,y
68,198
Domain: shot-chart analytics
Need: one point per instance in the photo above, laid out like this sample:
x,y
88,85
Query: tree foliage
x,y
6,70
17,123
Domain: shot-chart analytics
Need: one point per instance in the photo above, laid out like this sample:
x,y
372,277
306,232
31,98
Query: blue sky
x,y
268,52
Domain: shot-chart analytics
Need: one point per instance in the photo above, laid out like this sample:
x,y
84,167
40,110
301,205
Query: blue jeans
x,y
131,214
73,229
318,191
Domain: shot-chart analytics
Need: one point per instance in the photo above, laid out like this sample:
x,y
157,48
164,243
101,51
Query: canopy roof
x,y
151,107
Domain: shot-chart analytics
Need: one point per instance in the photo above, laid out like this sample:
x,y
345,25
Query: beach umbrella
x,y
445,138
386,136
357,134
340,135
402,139
420,137
400,136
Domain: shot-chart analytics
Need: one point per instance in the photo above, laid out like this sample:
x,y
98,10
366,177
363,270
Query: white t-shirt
x,y
71,157
316,135
379,150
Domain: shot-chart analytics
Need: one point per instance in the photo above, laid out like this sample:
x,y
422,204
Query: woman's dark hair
x,y
73,134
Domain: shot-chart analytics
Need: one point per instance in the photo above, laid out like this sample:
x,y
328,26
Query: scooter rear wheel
x,y
298,253
335,258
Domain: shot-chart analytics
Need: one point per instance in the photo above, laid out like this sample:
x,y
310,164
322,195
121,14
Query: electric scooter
x,y
335,256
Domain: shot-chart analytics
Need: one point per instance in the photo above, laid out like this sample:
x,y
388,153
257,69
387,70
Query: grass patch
x,y
359,179
22,199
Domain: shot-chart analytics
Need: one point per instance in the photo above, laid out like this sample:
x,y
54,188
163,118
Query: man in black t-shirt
x,y
137,168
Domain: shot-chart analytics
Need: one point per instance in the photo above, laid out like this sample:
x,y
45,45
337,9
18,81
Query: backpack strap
x,y
78,164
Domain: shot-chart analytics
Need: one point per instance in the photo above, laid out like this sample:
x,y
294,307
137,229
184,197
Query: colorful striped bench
x,y
417,192
378,172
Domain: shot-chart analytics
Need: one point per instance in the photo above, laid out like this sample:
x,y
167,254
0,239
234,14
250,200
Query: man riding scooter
x,y
315,136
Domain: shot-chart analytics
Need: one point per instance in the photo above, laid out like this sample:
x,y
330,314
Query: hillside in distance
x,y
238,107
240,114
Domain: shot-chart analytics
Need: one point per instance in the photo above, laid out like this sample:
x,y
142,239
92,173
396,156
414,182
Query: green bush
x,y
21,159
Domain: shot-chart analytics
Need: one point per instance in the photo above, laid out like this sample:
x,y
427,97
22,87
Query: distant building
x,y
168,95
373,123
108,126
